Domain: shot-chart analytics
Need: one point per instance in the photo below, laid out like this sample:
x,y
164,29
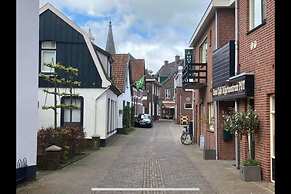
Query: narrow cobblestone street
x,y
149,158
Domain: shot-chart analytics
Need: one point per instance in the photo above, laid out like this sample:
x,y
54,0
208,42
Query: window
x,y
48,55
203,52
187,106
167,93
257,13
272,125
72,116
211,116
108,116
112,116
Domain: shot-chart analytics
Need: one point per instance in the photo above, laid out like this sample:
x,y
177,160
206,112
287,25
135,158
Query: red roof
x,y
118,70
137,69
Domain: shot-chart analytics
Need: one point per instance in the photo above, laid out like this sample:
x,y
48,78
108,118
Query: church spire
x,y
110,47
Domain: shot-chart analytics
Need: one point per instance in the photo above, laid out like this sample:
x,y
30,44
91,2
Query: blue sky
x,y
155,30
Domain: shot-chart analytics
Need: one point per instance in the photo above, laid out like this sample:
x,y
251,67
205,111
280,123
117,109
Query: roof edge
x,y
213,5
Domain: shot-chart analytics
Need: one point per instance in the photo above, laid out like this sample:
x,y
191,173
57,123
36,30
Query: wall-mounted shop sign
x,y
189,56
239,86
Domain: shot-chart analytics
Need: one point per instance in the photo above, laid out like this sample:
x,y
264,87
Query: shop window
x,y
257,13
211,116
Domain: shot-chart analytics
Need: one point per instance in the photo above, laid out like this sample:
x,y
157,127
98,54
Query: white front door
x,y
272,137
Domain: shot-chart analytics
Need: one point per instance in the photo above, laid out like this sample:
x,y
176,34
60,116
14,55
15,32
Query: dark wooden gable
x,y
71,49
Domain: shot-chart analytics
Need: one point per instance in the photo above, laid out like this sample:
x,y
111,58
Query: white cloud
x,y
162,28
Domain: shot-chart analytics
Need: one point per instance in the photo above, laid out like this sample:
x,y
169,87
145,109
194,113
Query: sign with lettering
x,y
239,87
188,56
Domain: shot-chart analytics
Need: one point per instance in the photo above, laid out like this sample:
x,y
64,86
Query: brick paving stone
x,y
148,158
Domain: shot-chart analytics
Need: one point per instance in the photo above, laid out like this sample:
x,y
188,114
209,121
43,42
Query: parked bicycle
x,y
186,138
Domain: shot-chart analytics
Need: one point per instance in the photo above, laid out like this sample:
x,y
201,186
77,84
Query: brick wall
x,y
261,62
225,32
226,149
226,25
181,96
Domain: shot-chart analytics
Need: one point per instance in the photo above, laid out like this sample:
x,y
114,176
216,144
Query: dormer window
x,y
48,56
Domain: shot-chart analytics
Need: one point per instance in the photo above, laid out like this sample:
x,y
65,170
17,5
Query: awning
x,y
239,86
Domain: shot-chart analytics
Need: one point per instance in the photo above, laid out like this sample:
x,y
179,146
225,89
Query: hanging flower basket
x,y
227,136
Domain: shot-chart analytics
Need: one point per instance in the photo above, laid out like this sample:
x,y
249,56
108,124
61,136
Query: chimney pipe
x,y
166,62
177,58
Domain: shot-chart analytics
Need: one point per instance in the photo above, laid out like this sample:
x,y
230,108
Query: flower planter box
x,y
209,154
250,173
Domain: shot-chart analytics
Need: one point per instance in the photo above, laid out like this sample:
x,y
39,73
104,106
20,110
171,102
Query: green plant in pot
x,y
245,123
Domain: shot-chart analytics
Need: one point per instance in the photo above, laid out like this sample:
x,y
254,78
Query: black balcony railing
x,y
195,75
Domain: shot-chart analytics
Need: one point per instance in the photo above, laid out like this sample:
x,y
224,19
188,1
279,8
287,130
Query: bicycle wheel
x,y
188,140
183,138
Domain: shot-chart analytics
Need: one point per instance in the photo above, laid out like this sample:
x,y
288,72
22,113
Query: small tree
x,y
243,123
58,81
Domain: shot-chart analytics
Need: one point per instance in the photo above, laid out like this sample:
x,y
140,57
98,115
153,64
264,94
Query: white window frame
x,y
201,49
188,108
45,49
77,102
272,132
167,93
252,16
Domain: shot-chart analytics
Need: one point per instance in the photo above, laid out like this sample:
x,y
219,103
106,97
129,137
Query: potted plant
x,y
245,123
250,170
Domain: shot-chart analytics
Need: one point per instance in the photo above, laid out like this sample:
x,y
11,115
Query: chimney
x,y
177,58
166,62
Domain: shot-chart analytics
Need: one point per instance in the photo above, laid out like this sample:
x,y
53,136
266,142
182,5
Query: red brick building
x,y
215,30
183,99
257,56
166,78
239,71
152,97
137,72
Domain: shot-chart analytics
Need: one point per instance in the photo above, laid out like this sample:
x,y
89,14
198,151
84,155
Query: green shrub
x,y
126,117
70,139
251,162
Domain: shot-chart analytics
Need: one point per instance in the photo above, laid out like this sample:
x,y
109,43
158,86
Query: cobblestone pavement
x,y
148,158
